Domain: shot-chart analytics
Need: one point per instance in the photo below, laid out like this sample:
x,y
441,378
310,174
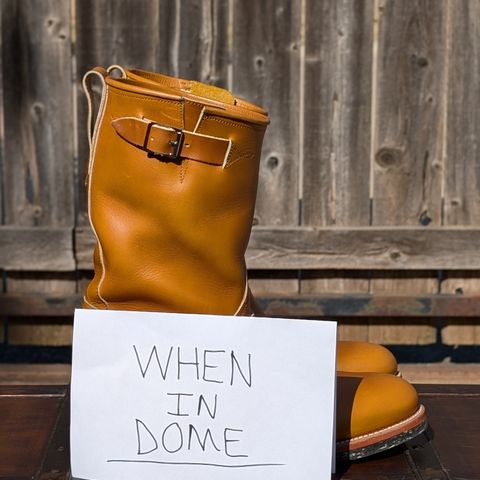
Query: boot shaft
x,y
171,191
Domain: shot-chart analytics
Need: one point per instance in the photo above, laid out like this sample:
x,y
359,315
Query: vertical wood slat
x,y
337,128
202,51
462,179
37,142
37,109
266,71
337,112
407,169
2,133
36,57
410,113
2,164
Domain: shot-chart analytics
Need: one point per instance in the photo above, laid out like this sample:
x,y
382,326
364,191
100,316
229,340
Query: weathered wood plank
x,y
201,51
409,117
40,249
462,158
408,137
35,374
37,101
37,304
123,31
441,372
368,248
337,113
295,305
43,332
378,307
364,248
337,132
36,249
266,70
2,133
462,179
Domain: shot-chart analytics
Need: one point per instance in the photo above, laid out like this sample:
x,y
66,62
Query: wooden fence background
x,y
370,177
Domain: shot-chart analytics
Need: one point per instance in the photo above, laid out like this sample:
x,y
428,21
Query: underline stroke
x,y
222,465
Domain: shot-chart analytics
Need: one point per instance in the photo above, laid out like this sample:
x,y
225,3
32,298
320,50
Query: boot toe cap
x,y
364,357
373,402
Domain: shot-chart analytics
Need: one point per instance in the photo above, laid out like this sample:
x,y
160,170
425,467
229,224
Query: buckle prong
x,y
176,144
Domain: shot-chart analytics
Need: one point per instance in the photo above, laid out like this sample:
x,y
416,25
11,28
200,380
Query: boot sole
x,y
384,439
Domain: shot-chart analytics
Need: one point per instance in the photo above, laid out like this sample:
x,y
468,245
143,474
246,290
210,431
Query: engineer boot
x,y
171,192
171,189
351,356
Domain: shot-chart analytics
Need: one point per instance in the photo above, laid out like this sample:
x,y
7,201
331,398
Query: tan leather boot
x,y
171,193
171,189
375,412
354,357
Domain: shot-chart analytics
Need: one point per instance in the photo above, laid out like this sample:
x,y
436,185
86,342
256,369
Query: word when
x,y
214,366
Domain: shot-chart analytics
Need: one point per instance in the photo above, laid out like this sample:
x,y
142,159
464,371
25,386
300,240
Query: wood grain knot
x,y
424,219
259,62
55,28
395,255
421,62
37,211
37,109
273,162
388,157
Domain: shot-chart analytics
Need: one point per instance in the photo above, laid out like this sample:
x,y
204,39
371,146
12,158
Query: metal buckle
x,y
175,144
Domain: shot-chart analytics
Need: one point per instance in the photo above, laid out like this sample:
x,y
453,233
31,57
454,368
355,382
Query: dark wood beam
x,y
318,306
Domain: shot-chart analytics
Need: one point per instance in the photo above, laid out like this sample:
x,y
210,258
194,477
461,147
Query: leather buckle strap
x,y
175,143
172,143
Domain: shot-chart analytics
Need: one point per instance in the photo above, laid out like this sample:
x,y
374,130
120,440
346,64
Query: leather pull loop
x,y
92,122
172,143
113,68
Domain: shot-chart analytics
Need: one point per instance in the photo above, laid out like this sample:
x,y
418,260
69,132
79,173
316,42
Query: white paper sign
x,y
179,397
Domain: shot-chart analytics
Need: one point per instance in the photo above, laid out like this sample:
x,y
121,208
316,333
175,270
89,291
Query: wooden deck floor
x,y
34,443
